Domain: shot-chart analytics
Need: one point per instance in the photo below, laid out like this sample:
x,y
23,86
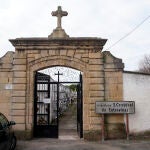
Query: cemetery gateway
x,y
101,80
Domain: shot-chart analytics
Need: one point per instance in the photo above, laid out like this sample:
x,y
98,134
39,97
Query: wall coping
x,y
24,43
134,72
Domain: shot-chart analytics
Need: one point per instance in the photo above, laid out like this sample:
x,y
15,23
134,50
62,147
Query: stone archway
x,y
76,53
83,54
102,78
64,62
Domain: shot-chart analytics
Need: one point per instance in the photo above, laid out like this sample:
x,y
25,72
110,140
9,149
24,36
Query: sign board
x,y
47,100
8,86
110,107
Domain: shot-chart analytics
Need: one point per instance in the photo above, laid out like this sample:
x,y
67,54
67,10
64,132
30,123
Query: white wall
x,y
136,87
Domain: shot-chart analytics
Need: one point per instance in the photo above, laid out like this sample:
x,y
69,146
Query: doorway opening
x,y
58,103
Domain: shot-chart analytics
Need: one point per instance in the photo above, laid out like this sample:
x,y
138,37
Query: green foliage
x,y
73,87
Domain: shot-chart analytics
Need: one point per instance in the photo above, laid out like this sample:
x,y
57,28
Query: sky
x,y
67,74
109,19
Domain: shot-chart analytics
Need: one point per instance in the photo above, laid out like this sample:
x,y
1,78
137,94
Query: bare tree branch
x,y
144,65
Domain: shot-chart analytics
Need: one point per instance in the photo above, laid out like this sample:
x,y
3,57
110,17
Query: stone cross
x,y
59,14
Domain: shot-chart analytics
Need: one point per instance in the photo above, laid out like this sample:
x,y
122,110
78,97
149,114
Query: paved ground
x,y
69,140
58,144
68,124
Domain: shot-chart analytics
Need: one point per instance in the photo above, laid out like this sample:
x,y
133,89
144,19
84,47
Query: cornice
x,y
28,43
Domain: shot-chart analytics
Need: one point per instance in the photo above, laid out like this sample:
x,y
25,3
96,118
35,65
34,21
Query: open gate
x,y
46,106
46,97
79,109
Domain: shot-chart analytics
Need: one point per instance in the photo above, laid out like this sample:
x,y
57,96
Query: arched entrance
x,y
50,61
53,99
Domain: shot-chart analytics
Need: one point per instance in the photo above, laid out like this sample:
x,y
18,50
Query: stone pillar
x,y
18,108
95,90
113,70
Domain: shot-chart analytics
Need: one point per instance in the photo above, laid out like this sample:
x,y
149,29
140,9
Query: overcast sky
x,y
110,19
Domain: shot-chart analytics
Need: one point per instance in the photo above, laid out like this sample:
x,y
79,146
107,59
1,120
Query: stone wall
x,y
6,75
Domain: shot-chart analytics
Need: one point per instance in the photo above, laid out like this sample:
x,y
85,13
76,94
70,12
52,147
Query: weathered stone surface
x,y
18,99
51,52
93,114
92,135
85,55
4,80
20,80
113,118
58,33
115,130
19,127
96,80
20,61
96,74
96,67
95,120
19,86
18,106
94,99
96,93
78,56
96,61
96,87
71,53
20,74
6,66
95,55
19,67
5,104
63,52
18,112
19,119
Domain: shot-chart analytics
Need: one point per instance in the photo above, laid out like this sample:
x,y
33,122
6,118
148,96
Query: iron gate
x,y
46,97
79,109
46,106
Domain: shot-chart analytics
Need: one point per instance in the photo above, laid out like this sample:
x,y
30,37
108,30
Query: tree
x,y
144,65
73,87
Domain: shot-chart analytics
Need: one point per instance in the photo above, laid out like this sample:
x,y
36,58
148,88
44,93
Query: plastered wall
x,y
136,87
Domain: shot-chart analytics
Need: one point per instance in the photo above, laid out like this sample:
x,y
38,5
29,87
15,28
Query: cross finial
x,y
59,14
59,32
